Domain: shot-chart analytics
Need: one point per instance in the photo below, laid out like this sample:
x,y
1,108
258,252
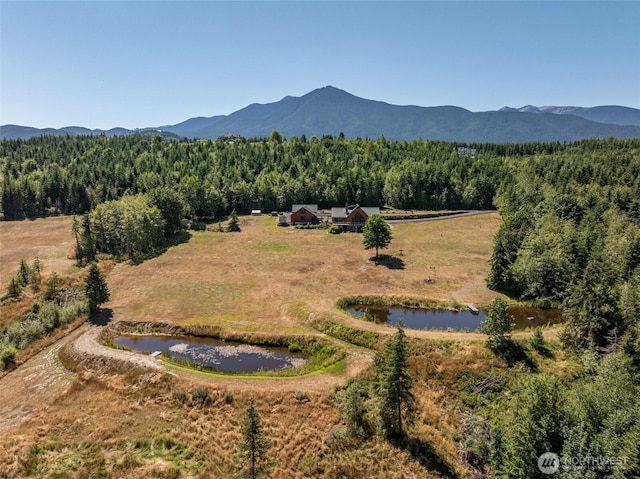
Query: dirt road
x,y
35,384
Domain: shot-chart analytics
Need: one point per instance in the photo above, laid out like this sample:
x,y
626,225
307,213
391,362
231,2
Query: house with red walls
x,y
304,215
352,218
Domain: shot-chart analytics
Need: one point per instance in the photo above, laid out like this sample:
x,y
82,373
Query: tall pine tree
x,y
397,404
96,289
253,446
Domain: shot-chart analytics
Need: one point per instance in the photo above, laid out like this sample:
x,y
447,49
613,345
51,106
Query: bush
x,y
49,316
198,226
8,355
334,230
200,396
180,396
228,397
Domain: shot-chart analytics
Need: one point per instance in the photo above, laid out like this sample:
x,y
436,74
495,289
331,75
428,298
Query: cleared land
x,y
49,239
129,423
257,279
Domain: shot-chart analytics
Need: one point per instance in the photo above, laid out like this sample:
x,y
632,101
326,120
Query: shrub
x,y
301,396
198,226
8,355
200,396
180,396
49,316
334,230
228,397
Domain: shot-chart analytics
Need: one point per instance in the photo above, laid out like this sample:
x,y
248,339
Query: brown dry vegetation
x,y
49,239
253,280
130,425
265,280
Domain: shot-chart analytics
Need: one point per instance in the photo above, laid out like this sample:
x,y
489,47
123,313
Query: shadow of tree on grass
x,y
102,318
174,240
424,453
391,262
513,353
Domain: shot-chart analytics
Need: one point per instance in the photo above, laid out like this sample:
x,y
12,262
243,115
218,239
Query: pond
x,y
224,356
415,318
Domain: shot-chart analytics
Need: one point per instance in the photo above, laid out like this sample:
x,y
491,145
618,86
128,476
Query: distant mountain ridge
x,y
331,111
611,114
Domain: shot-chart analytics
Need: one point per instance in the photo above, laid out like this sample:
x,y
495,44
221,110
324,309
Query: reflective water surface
x,y
413,318
216,354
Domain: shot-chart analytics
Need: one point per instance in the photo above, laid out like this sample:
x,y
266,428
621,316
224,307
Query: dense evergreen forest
x,y
50,175
571,211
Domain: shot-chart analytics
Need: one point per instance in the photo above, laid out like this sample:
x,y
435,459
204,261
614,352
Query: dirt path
x,y
88,344
39,381
444,217
35,384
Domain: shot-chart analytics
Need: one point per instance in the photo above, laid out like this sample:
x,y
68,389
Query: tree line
x,y
72,175
571,237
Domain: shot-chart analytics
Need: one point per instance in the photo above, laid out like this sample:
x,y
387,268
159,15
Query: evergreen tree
x,y
96,289
592,307
376,233
353,409
24,273
253,446
233,225
533,427
498,325
52,287
14,290
36,277
397,404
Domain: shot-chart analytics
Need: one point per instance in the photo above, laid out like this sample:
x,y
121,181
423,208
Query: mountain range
x,y
331,111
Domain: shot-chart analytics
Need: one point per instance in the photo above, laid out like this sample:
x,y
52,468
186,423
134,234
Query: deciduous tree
x,y
172,206
376,233
498,324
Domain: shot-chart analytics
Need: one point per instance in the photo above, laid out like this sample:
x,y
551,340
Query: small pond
x,y
225,356
444,319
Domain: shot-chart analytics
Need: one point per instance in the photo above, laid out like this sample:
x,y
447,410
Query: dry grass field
x,y
255,280
49,239
117,424
128,424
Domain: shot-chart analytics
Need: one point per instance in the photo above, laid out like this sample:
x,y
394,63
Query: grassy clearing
x,y
49,239
249,281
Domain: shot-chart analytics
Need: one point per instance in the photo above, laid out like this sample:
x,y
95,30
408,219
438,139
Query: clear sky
x,y
138,64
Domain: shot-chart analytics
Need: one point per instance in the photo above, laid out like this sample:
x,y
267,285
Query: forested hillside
x,y
571,211
52,175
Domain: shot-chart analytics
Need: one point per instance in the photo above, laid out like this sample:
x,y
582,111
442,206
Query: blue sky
x,y
146,63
